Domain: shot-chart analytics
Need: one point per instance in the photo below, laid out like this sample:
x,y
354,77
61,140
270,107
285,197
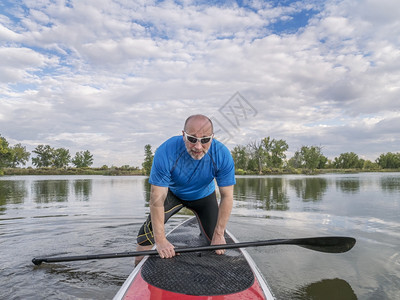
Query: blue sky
x,y
113,76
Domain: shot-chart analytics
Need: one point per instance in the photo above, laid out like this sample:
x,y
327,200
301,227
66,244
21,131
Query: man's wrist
x,y
219,233
159,238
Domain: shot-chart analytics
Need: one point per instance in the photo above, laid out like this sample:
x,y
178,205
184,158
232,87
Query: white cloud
x,y
113,76
19,64
7,34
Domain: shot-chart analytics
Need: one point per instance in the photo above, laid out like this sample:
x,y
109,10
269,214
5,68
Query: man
x,y
182,175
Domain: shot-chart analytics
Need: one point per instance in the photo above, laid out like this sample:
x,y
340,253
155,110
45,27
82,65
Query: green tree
x,y
12,156
252,164
267,153
323,162
278,149
148,159
296,161
61,158
83,159
240,157
257,154
329,164
19,155
313,157
369,165
310,157
348,160
389,160
44,156
266,144
5,153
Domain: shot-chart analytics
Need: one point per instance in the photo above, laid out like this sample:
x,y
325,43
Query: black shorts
x,y
205,209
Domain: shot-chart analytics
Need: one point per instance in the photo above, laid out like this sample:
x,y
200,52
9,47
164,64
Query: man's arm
x,y
157,198
224,212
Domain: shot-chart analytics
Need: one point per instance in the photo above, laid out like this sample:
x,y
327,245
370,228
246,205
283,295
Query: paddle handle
x,y
38,261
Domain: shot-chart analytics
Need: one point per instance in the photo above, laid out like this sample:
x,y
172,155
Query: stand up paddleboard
x,y
196,275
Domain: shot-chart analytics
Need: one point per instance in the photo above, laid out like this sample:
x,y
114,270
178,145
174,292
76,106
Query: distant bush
x,y
240,172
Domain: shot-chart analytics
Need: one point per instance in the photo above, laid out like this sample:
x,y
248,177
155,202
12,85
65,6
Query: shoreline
x,y
115,171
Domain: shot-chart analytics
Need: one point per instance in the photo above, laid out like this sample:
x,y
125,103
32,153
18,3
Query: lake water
x,y
79,215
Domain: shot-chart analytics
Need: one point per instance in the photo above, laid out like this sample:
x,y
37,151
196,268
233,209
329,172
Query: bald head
x,y
196,124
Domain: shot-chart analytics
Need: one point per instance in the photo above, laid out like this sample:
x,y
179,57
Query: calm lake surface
x,y
79,215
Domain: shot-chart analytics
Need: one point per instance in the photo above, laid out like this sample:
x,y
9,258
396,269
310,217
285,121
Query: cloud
x,y
112,76
19,64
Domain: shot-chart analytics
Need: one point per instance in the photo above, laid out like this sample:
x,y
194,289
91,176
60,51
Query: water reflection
x,y
349,185
265,193
147,188
46,191
390,184
269,192
326,289
12,192
309,189
83,189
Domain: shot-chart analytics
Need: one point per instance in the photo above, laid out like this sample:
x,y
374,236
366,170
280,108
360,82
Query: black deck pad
x,y
201,273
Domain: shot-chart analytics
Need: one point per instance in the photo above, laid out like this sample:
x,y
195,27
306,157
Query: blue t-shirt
x,y
187,178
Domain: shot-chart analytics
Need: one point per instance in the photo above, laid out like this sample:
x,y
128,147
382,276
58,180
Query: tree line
x,y
257,157
263,155
46,156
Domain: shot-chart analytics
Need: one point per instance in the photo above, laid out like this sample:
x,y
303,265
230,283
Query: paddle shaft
x,y
331,244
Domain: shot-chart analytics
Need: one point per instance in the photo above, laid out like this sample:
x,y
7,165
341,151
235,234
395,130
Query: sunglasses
x,y
192,139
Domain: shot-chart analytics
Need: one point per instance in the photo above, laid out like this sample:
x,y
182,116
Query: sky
x,y
112,76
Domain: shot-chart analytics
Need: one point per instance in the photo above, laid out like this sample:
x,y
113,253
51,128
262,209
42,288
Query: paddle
x,y
330,244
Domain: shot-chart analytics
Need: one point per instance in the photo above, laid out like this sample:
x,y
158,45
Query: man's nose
x,y
198,145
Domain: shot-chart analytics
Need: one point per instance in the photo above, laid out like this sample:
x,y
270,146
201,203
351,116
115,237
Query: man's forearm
x,y
157,199
157,220
225,209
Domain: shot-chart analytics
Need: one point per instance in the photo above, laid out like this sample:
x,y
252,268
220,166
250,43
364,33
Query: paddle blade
x,y
330,244
37,261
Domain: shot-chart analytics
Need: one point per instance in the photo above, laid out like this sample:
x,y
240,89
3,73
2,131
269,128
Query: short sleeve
x,y
226,168
160,174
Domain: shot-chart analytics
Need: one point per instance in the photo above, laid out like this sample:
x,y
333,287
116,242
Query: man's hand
x,y
219,239
165,249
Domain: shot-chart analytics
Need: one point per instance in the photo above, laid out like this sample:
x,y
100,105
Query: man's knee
x,y
141,248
